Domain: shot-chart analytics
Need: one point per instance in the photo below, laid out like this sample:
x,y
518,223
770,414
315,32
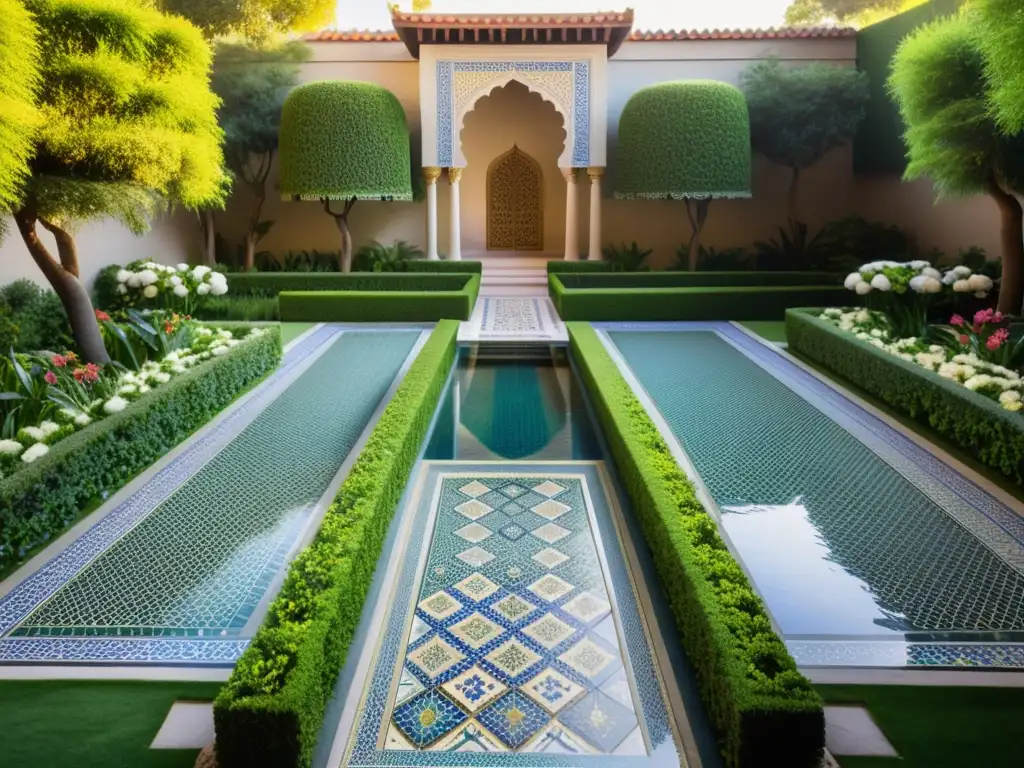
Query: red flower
x,y
92,373
964,339
956,320
79,374
59,360
101,315
995,341
168,328
50,377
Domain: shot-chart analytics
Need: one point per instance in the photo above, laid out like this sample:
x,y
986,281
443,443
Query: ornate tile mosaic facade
x,y
513,319
530,651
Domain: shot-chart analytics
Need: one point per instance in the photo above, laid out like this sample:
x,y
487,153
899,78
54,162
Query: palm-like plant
x,y
626,258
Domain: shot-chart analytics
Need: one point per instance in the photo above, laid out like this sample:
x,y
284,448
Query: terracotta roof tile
x,y
510,19
637,36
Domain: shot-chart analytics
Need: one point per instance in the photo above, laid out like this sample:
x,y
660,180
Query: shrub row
x,y
441,265
396,305
270,711
633,280
42,499
690,303
273,283
763,710
239,308
568,267
985,430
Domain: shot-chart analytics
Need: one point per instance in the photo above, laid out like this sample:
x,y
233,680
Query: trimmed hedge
x,y
382,306
566,267
272,283
270,711
700,279
985,430
639,303
764,711
442,265
239,308
42,499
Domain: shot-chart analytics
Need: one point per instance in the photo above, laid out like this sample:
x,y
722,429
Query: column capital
x,y
431,173
569,174
454,175
595,172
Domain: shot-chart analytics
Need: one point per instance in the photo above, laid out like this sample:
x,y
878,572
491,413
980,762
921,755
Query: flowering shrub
x,y
987,336
960,364
146,283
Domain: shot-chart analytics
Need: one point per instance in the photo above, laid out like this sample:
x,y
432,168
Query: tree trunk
x,y
1011,215
341,220
698,214
249,260
63,277
792,202
209,222
258,185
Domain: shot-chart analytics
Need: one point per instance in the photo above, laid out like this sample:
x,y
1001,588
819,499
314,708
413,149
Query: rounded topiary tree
x,y
19,54
687,140
344,141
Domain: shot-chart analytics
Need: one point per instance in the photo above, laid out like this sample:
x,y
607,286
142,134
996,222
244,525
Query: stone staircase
x,y
514,274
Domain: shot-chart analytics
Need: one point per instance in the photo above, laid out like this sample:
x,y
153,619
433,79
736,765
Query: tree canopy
x,y
1001,36
252,19
857,12
19,77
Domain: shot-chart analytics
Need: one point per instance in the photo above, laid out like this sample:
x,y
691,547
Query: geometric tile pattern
x,y
201,561
515,318
515,657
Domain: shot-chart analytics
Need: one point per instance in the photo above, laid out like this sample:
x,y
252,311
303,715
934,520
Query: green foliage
x,y
736,259
686,139
43,498
35,317
272,283
19,77
983,428
271,709
710,279
253,19
857,241
761,707
857,12
1001,36
625,258
377,257
343,140
795,249
381,305
798,114
243,308
562,267
663,296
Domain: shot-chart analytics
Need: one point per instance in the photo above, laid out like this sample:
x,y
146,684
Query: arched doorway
x,y
515,203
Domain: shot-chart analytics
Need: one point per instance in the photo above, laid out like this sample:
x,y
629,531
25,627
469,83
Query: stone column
x,y
455,228
572,246
430,176
595,173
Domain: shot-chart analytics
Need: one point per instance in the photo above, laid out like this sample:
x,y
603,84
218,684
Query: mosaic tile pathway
x,y
867,549
198,563
521,635
513,319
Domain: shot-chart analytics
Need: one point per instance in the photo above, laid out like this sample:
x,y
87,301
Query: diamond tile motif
x,y
587,658
550,557
549,587
556,739
475,556
440,606
551,509
549,631
551,532
587,607
513,532
477,587
512,658
476,631
552,690
469,737
408,686
514,718
473,509
435,656
512,509
512,490
514,608
548,488
427,717
474,489
474,689
600,720
474,532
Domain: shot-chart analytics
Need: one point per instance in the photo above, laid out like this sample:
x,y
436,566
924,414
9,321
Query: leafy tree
x,y
421,6
252,83
858,12
938,81
344,141
799,114
686,140
1001,35
19,77
252,19
127,124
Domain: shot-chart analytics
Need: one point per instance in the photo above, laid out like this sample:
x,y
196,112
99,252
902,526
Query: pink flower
x,y
92,372
59,360
50,377
995,341
997,317
983,316
963,339
956,320
101,315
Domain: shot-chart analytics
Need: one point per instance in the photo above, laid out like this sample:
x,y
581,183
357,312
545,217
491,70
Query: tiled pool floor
x,y
198,550
515,629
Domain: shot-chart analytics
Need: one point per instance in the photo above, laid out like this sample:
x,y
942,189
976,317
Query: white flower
x,y
126,389
122,289
147,277
175,280
202,289
116,404
932,285
876,332
917,283
881,283
218,289
123,275
962,271
82,419
199,272
181,291
149,291
851,281
183,267
218,351
1009,396
36,433
49,427
977,382
179,368
134,281
202,330
918,265
162,377
962,286
34,452
222,334
11,447
931,272
144,388
863,288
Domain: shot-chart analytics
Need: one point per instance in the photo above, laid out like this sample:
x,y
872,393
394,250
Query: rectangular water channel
x,y
867,549
199,563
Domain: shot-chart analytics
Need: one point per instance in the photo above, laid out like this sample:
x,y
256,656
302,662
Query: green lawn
x,y
291,331
91,724
933,727
770,330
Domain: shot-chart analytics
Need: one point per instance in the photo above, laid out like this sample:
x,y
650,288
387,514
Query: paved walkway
x,y
514,319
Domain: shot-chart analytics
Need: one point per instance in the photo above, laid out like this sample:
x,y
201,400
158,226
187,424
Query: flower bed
x,y
98,428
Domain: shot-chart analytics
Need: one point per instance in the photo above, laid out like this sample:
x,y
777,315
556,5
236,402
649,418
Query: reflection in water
x,y
785,552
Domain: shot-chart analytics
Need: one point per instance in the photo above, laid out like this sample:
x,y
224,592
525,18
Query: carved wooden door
x,y
515,219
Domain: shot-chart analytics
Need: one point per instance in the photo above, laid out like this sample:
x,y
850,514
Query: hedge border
x,y
764,711
697,303
270,711
272,283
567,267
978,425
103,457
380,306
